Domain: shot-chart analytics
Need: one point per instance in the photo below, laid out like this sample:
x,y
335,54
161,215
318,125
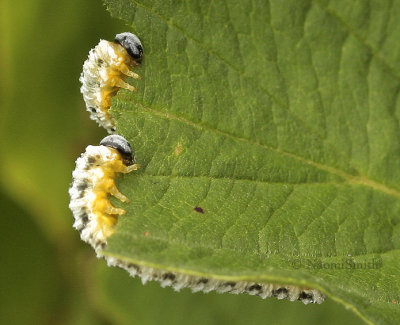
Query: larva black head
x,y
122,145
131,43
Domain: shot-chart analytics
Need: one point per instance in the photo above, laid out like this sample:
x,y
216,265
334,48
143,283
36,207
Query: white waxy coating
x,y
89,172
93,76
103,74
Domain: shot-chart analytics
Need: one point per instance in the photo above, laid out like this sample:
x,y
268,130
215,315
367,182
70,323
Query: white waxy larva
x,y
93,183
104,73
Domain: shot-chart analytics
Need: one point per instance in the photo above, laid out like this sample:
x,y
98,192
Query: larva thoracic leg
x,y
104,73
125,70
93,183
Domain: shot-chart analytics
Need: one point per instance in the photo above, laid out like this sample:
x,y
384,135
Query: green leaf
x,y
280,120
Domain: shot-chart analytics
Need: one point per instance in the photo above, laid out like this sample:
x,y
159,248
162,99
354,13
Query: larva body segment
x,y
93,183
104,73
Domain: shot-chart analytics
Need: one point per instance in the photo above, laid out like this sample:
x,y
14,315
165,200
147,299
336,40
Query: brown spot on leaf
x,y
178,150
198,209
146,234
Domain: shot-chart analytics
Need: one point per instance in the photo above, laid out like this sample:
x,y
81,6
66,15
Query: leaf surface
x,y
268,134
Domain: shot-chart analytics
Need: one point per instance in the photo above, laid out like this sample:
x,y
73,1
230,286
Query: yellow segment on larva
x,y
93,183
104,73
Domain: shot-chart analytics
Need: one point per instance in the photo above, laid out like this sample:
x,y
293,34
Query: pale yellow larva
x,y
104,73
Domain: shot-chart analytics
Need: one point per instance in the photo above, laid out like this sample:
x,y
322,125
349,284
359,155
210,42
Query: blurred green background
x,y
48,276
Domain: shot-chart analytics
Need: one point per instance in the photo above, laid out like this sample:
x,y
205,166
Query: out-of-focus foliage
x,y
48,276
28,272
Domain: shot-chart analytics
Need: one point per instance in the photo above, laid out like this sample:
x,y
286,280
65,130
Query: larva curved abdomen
x,y
104,73
93,183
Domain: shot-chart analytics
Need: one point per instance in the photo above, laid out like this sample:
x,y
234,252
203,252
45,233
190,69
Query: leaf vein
x,y
349,178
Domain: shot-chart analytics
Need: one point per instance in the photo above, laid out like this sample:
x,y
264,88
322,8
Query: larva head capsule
x,y
122,145
131,43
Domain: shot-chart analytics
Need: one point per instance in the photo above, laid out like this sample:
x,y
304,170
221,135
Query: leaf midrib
x,y
332,13
192,245
348,178
247,180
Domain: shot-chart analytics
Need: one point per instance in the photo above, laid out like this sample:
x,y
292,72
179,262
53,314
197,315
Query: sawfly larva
x,y
104,73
